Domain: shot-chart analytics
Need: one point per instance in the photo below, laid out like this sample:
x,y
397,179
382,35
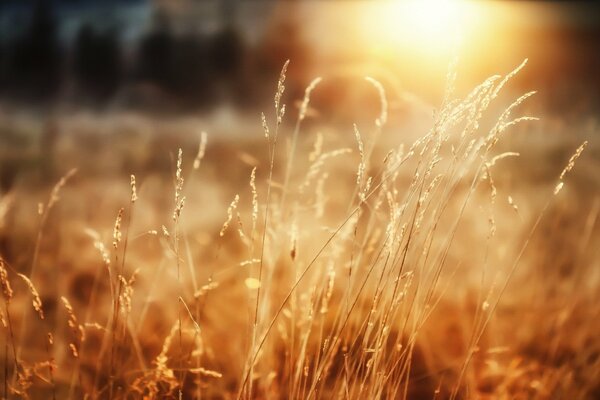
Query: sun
x,y
433,19
427,24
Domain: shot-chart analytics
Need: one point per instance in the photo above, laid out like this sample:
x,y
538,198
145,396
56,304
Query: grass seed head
x,y
117,234
232,207
134,196
572,160
7,291
36,302
306,99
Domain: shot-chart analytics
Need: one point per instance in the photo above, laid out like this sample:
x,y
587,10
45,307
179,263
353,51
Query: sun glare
x,y
433,19
430,25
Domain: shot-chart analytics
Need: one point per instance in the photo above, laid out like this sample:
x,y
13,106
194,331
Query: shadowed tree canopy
x,y
192,76
36,61
226,52
97,61
156,55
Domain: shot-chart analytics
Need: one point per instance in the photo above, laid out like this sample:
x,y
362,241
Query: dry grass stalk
x,y
306,100
569,167
77,330
37,302
232,207
7,291
117,234
134,196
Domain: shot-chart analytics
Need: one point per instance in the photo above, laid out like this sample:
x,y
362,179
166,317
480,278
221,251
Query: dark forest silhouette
x,y
95,69
32,63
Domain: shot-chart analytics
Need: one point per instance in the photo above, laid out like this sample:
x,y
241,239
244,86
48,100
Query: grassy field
x,y
142,258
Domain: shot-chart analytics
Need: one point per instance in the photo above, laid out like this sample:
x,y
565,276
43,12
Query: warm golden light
x,y
428,24
433,19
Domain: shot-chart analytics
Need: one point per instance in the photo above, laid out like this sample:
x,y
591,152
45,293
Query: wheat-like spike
x,y
280,88
508,77
362,195
232,207
134,196
161,360
265,126
6,288
73,322
117,234
178,178
103,252
516,121
281,114
502,124
36,302
74,350
205,289
361,151
306,99
254,200
127,292
569,167
77,330
178,209
243,237
572,160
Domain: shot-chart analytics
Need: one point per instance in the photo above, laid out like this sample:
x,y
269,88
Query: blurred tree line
x,y
95,69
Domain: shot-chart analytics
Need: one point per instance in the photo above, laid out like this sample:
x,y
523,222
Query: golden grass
x,y
386,279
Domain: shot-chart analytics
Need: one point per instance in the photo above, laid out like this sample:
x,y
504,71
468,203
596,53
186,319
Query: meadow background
x,y
185,214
